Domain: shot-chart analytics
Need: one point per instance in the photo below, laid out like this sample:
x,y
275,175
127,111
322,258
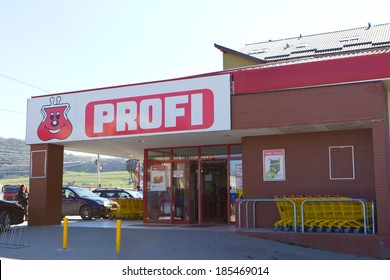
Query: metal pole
x,y
65,235
239,215
254,214
118,235
246,215
246,201
98,170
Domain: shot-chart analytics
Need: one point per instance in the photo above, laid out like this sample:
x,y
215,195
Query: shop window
x,y
341,163
158,198
213,152
185,153
159,154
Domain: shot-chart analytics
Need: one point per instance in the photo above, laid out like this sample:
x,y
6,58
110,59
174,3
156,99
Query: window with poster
x,y
158,192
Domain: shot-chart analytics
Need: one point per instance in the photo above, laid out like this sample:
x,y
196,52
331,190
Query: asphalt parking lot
x,y
96,240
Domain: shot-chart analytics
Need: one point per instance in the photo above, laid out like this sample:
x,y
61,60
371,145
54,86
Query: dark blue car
x,y
84,203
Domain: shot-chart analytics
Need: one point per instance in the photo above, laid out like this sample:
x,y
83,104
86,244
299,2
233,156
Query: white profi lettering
x,y
126,116
104,113
150,113
197,109
171,110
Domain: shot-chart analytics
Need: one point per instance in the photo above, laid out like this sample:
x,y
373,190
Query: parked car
x,y
86,204
11,213
116,193
135,194
10,192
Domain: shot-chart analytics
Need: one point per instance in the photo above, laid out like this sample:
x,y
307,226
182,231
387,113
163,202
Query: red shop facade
x,y
206,140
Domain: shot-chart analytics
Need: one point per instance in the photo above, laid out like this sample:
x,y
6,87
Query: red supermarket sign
x,y
168,112
160,108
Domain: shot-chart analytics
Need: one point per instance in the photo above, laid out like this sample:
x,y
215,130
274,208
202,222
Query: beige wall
x,y
233,61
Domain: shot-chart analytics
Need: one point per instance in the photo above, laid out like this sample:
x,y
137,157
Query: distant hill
x,y
15,160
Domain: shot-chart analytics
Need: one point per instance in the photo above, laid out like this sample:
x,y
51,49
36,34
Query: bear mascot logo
x,y
55,123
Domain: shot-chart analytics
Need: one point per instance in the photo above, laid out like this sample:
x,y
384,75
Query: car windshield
x,y
136,194
84,193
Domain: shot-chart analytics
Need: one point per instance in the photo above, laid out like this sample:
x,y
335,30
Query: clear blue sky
x,y
52,46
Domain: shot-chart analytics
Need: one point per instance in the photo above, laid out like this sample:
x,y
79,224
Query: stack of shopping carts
x,y
324,213
286,205
129,209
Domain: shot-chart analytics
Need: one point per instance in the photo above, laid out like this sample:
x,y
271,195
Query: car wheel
x,y
86,212
5,220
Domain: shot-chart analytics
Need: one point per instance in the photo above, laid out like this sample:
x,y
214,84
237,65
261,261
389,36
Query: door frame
x,y
188,194
220,215
167,156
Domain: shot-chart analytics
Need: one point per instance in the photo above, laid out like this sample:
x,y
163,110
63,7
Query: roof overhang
x,y
134,147
239,54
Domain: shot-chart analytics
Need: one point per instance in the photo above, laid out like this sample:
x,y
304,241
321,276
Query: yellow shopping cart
x,y
324,213
129,209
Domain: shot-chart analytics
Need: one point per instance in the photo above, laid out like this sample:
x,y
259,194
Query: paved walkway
x,y
96,240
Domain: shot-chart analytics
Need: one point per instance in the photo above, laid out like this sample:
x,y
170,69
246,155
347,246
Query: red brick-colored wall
x,y
361,109
307,164
354,114
322,105
307,167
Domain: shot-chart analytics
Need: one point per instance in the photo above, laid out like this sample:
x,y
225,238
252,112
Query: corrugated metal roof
x,y
315,59
356,39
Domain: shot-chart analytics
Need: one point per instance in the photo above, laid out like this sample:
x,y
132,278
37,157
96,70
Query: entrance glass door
x,y
192,184
168,193
214,191
158,192
235,187
180,192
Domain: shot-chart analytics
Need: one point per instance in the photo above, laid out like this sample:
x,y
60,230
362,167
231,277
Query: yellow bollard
x,y
65,235
118,235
